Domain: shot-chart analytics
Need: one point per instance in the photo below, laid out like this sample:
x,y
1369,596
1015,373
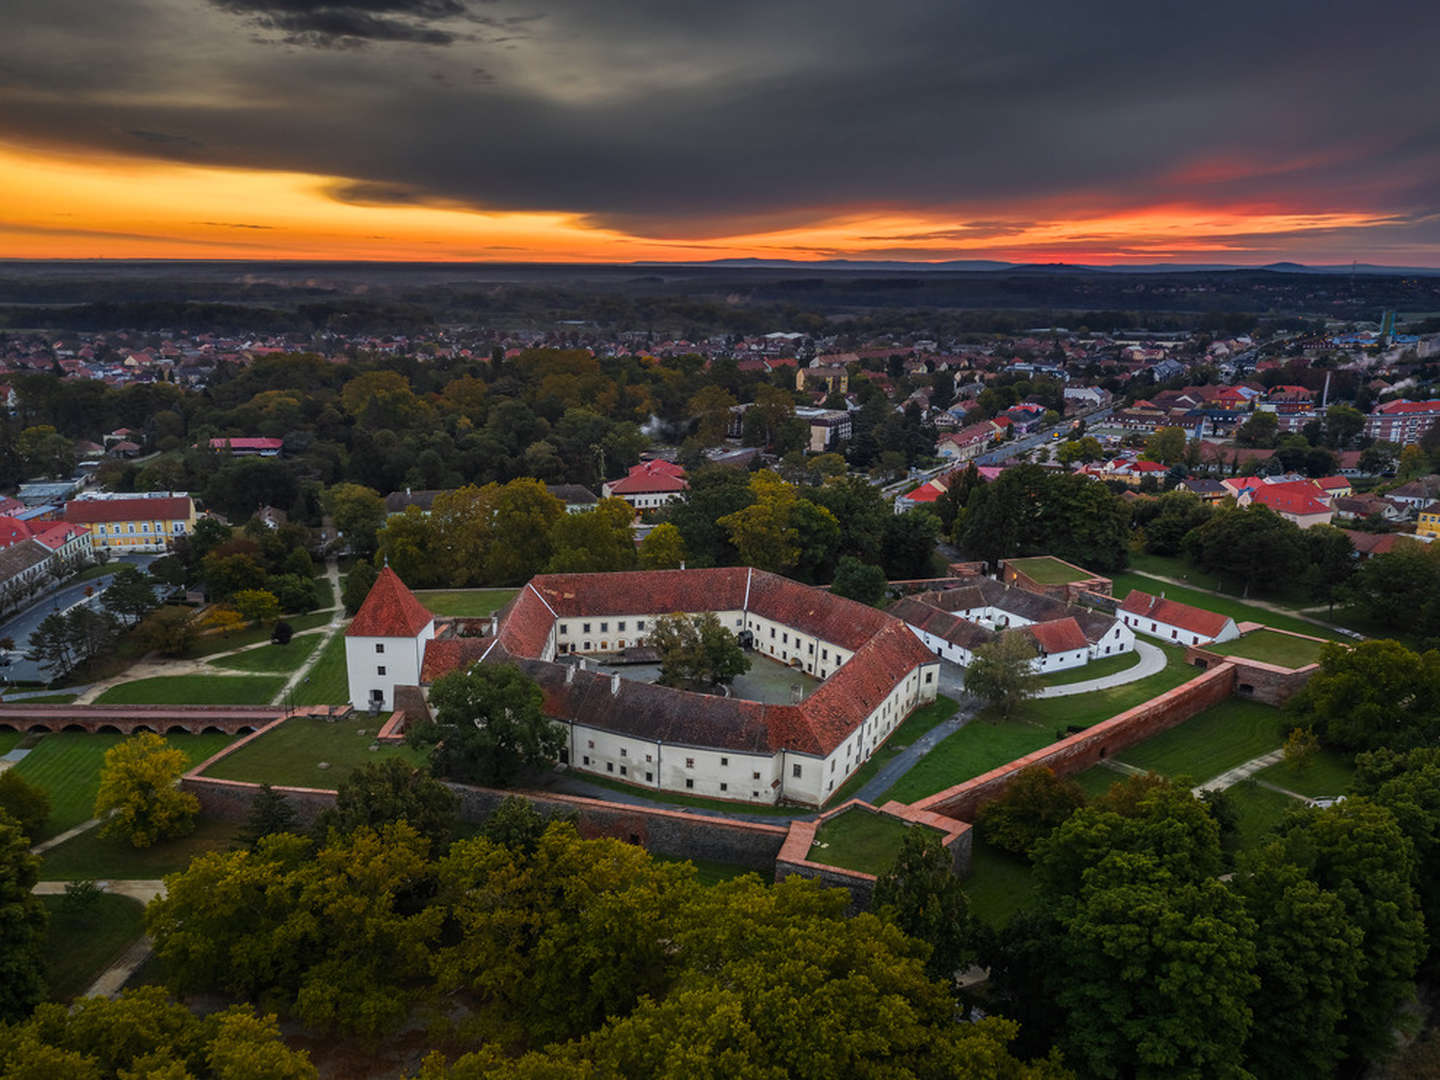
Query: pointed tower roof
x,y
390,610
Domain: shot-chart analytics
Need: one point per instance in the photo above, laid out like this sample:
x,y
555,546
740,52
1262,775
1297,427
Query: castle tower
x,y
385,644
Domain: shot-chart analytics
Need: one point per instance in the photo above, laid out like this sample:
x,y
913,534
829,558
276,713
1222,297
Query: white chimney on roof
x,y
615,685
569,674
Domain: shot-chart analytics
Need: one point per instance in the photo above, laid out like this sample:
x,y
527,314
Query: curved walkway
x,y
112,980
1152,661
336,623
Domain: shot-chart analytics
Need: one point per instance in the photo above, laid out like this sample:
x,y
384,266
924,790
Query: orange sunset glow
x,y
106,206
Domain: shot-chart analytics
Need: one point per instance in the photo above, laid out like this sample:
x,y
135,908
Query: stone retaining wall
x,y
1105,739
1256,679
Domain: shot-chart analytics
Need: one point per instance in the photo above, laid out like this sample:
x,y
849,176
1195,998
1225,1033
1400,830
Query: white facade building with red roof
x,y
385,643
648,485
1174,622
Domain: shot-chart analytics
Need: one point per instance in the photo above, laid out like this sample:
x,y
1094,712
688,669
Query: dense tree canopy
x,y
488,726
1028,510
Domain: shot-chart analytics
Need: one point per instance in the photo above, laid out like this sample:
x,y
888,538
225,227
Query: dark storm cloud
x,y
342,23
685,120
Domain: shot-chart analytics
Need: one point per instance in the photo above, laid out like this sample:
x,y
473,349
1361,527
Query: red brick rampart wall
x,y
1105,739
1255,679
129,719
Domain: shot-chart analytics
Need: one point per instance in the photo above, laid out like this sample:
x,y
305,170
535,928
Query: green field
x,y
1095,669
79,948
916,724
858,840
254,635
67,765
1272,648
326,683
1259,810
325,592
1206,745
1224,605
273,658
475,602
1097,780
44,699
9,740
1048,571
1328,773
194,690
1172,566
999,883
982,745
91,856
711,871
292,753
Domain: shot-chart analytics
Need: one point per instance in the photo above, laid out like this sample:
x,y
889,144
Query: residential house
x,y
1174,622
144,523
1417,493
1428,524
248,446
1208,490
1295,500
831,379
648,485
967,443
828,427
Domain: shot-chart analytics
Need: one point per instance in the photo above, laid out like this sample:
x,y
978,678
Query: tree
x,y
1168,519
256,605
407,543
596,541
390,791
1408,785
27,804
45,452
1029,510
764,532
22,925
696,651
1166,446
1343,425
138,792
524,514
909,544
1086,449
488,727
921,894
663,548
1000,673
1259,430
515,824
1372,695
49,646
1036,803
270,813
224,618
710,407
1400,589
1253,543
170,631
358,512
129,594
1330,560
859,581
715,492
358,584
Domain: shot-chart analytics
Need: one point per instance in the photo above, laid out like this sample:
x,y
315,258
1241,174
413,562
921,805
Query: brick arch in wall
x,y
130,720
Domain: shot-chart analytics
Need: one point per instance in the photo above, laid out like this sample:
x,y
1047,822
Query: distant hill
x,y
991,266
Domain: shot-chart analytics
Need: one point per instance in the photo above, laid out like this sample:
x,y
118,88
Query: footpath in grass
x,y
81,945
1095,669
310,751
272,658
1211,742
326,683
858,840
982,745
1327,773
254,635
1259,810
918,723
194,690
998,885
91,856
1272,648
1223,605
67,765
460,602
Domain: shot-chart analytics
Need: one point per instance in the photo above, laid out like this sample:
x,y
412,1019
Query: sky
x,y
580,130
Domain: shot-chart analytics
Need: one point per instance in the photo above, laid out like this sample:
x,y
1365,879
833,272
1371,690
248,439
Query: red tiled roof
x,y
56,534
99,511
1173,613
1330,483
650,476
1289,498
389,610
1061,635
245,442
444,655
924,493
13,530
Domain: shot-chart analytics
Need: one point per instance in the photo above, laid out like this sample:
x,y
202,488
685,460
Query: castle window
x,y
689,783
379,648
609,766
689,763
624,752
620,626
724,787
604,627
380,670
585,627
649,777
724,761
639,624
754,776
622,770
586,759
795,771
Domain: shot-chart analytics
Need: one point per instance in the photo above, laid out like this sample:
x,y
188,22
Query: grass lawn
x,y
254,635
8,740
1272,648
92,572
711,871
91,856
982,745
465,601
1097,780
670,799
1259,810
273,658
325,592
1224,605
80,947
858,840
326,684
44,699
194,690
291,754
1328,773
1095,669
1173,566
918,723
67,765
1047,570
999,883
1220,738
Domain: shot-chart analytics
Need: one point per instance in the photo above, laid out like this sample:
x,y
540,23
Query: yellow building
x,y
144,523
1429,523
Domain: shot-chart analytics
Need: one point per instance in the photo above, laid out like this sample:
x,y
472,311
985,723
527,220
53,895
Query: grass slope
x,y
79,948
91,856
1259,810
999,884
67,765
326,684
272,658
474,602
254,635
292,753
858,840
1206,745
671,799
194,690
1328,773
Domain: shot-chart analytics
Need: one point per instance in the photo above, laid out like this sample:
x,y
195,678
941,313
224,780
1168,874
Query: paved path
x,y
68,834
1231,777
337,620
1278,609
113,979
1152,661
891,772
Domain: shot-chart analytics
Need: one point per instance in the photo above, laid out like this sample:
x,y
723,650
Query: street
x,y
19,627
